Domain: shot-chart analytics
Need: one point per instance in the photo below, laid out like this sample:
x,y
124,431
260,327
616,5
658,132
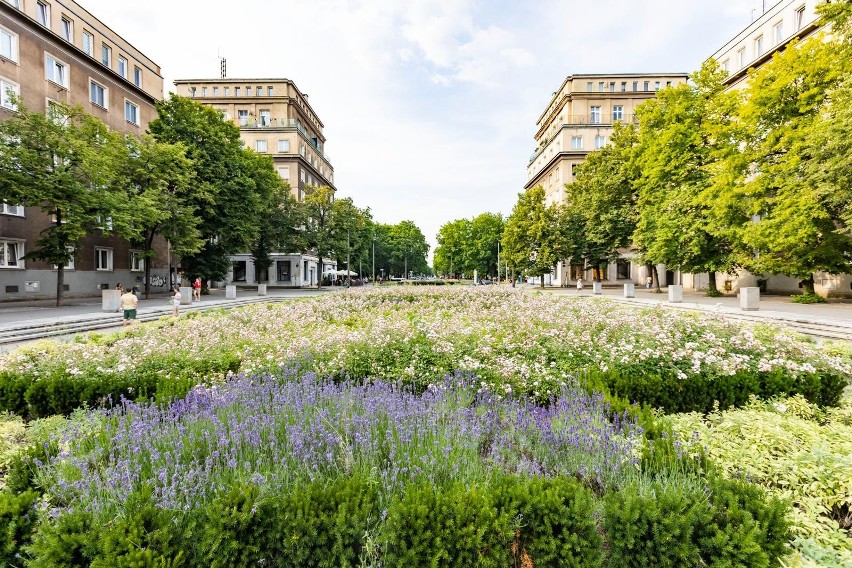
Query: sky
x,y
429,106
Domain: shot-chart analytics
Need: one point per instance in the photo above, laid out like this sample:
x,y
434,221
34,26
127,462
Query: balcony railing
x,y
604,120
255,122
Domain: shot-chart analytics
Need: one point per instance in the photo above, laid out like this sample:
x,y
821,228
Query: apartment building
x,y
579,119
54,51
274,118
754,46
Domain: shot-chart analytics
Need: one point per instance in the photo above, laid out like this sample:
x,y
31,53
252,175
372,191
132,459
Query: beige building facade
x,y
54,51
274,118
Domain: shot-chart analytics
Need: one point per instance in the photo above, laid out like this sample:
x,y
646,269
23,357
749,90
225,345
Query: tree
x,y
681,137
67,164
232,183
485,232
318,222
408,249
598,218
530,241
794,220
159,176
451,255
349,231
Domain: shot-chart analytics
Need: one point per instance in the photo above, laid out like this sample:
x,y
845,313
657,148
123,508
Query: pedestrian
x,y
175,300
648,281
129,303
579,285
120,289
196,290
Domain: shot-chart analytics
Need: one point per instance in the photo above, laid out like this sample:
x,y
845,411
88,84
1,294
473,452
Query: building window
x,y
243,116
88,42
622,269
601,86
283,146
137,76
635,86
98,94
624,86
131,113
122,66
726,66
612,86
8,45
67,29
668,83
269,91
302,150
260,91
260,145
192,92
741,60
758,46
203,91
600,142
14,210
284,173
13,3
137,261
265,118
596,115
11,253
576,142
43,14
106,55
283,269
226,91
103,258
55,71
646,85
589,86
7,91
215,91
617,113
799,18
778,31
302,175
657,85
69,265
248,91
236,91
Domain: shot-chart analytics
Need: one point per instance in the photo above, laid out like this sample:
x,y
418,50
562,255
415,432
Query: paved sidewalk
x,y
836,311
40,312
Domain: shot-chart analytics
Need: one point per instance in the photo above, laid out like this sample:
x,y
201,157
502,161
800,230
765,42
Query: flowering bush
x,y
513,341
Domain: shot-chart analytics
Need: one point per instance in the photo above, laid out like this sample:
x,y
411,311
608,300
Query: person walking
x,y
196,290
176,300
579,285
648,281
129,303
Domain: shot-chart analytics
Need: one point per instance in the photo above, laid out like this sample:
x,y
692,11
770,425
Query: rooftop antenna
x,y
223,66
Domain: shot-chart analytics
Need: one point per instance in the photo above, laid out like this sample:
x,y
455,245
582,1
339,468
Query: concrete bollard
x,y
261,289
749,299
110,300
597,288
185,295
230,292
675,293
630,290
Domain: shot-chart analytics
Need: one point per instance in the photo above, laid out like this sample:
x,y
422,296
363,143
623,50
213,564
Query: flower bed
x,y
511,340
292,470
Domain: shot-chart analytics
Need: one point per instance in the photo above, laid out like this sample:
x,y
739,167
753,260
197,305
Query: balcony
x,y
261,123
604,121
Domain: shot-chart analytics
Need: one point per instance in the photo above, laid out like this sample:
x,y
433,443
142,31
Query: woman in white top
x,y
579,284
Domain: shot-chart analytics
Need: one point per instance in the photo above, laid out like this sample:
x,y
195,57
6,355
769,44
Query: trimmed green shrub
x,y
700,393
20,476
553,521
324,524
18,518
452,526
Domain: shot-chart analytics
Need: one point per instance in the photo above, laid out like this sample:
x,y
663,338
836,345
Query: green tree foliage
x,y
530,242
680,140
465,245
795,221
69,165
160,175
233,183
352,233
598,217
318,233
408,249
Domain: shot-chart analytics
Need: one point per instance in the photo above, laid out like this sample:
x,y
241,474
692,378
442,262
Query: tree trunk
x,y
149,240
808,285
60,283
711,284
319,273
656,279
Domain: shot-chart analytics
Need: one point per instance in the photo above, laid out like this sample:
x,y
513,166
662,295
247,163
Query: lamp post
x,y
498,262
374,259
